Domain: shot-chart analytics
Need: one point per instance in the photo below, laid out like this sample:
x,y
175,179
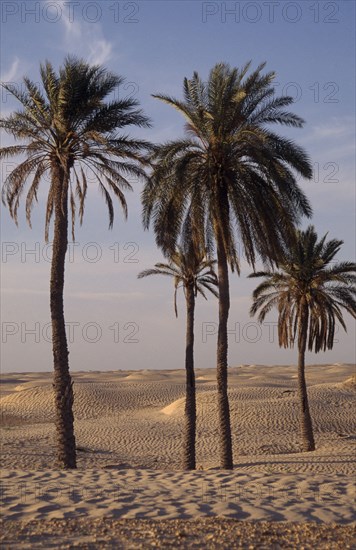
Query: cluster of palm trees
x,y
230,177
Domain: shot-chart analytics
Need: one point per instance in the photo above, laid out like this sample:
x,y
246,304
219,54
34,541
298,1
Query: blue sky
x,y
114,320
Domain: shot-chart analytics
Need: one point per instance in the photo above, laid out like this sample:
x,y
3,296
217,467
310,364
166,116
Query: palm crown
x,y
69,123
230,171
310,278
187,269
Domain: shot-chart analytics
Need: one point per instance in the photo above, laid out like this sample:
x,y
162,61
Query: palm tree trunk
x,y
306,425
189,461
63,386
226,458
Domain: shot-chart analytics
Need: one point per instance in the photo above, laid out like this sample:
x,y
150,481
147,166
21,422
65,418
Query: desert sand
x,y
129,429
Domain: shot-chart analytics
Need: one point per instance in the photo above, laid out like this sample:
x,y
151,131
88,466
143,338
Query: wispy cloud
x,y
81,36
12,72
72,27
332,144
100,52
334,129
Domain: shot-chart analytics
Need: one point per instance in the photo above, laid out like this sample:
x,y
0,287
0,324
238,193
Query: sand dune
x,y
350,382
129,432
175,408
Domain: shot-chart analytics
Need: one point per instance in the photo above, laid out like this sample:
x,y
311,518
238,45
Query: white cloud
x,y
100,52
12,73
72,27
336,128
81,37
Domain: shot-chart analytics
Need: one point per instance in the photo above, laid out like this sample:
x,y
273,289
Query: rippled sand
x,y
129,432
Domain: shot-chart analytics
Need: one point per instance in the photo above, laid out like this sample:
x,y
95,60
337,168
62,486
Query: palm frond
x,y
65,119
306,278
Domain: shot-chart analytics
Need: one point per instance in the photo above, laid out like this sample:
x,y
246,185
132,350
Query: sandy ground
x,y
129,431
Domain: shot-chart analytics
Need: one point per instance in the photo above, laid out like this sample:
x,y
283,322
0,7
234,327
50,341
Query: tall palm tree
x,y
190,269
229,176
310,292
67,129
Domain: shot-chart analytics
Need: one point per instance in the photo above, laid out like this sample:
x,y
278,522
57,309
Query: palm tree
x,y
310,292
67,129
190,269
229,173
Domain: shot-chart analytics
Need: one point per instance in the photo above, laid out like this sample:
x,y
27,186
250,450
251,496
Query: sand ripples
x,y
137,419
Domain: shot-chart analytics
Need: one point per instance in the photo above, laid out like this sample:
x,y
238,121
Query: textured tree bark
x,y
226,457
62,384
306,426
189,458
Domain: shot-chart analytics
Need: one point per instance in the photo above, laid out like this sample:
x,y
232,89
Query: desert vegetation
x,y
229,179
